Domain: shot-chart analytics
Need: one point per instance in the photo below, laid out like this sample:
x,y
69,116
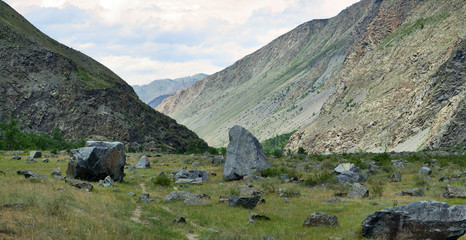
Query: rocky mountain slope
x,y
380,76
46,85
157,88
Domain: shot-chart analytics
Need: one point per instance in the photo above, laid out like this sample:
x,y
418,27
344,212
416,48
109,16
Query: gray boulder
x,y
453,192
143,162
45,160
398,164
30,175
56,172
35,154
249,191
253,218
245,155
181,196
79,184
196,181
249,202
350,177
321,219
192,175
50,156
108,182
415,192
396,177
419,220
358,191
335,200
344,167
97,161
425,171
16,157
217,160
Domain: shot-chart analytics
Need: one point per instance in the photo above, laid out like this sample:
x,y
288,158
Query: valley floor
x,y
55,210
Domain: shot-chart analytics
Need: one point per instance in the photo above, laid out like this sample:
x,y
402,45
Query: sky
x,y
145,40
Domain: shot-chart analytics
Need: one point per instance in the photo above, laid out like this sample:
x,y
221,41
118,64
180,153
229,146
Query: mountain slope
x,y
45,85
154,89
338,78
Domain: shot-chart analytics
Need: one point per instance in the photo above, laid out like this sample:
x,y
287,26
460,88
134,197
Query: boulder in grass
x,y
108,182
454,192
249,202
191,174
56,172
245,155
415,192
358,191
181,196
97,161
396,177
143,162
425,171
30,175
419,220
35,154
321,219
79,184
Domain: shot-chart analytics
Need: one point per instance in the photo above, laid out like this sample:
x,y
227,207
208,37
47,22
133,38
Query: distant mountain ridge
x,y
382,75
153,90
46,85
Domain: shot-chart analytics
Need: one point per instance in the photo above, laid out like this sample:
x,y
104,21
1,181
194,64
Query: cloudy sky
x,y
145,40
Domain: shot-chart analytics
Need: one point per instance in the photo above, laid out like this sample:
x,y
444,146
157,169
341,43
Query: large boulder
x,y
248,202
419,220
349,173
97,161
143,162
30,175
181,196
35,154
191,174
358,191
79,184
245,155
454,192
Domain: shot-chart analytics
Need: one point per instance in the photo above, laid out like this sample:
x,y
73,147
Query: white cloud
x,y
143,40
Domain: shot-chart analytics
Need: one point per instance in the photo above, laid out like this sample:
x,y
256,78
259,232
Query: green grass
x,y
58,211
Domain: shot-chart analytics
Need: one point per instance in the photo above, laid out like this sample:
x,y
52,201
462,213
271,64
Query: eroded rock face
x,y
419,220
245,155
97,161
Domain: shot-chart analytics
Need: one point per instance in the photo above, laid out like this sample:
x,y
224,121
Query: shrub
x,y
382,158
162,180
301,150
290,192
234,191
324,177
269,185
377,190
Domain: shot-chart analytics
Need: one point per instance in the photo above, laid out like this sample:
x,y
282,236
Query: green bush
x,y
382,158
269,185
162,180
301,150
276,143
377,190
324,177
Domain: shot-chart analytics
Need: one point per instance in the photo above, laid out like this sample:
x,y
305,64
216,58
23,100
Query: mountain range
x,y
382,75
46,85
156,91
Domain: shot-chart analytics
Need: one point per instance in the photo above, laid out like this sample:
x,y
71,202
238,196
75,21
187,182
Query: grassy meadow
x,y
55,210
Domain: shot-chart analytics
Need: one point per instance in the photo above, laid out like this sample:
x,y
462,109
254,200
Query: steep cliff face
x,y
368,79
403,92
45,85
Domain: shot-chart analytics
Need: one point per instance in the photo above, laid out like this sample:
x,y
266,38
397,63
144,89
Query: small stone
x,y
56,172
17,205
116,190
144,195
131,194
335,200
258,217
416,192
143,162
396,177
425,171
223,199
270,238
248,202
79,184
154,219
16,157
179,220
454,192
358,191
108,182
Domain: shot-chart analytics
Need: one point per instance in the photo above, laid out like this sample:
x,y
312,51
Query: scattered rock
x,y
453,192
56,172
270,238
146,199
245,155
50,156
396,177
358,191
398,164
425,171
143,162
59,177
223,199
195,164
416,192
64,152
335,200
45,160
344,167
248,202
2,172
132,168
30,175
131,194
144,195
35,154
97,161
181,196
207,154
418,220
194,202
191,176
217,160
249,191
253,218
79,184
108,182
154,219
444,179
116,190
179,220
16,157
17,205
321,219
